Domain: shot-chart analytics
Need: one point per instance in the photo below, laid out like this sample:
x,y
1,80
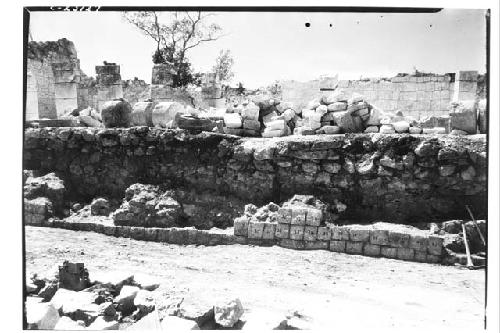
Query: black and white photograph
x,y
257,168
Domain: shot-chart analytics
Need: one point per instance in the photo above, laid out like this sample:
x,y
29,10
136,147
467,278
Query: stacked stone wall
x,y
397,178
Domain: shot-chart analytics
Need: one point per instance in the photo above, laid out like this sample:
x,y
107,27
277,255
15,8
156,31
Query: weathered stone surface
x,y
338,246
388,252
116,113
196,309
297,232
41,316
292,244
227,314
371,250
405,253
125,300
76,305
282,231
354,247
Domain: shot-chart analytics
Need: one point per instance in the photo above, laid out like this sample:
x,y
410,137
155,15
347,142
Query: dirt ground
x,y
336,290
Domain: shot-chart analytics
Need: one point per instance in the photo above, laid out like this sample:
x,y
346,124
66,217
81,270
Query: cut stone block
x,y
292,244
433,259
314,217
163,235
379,237
310,233
337,246
404,253
340,233
255,230
359,234
418,243
324,233
298,216
137,233
435,245
371,250
41,316
109,230
354,247
399,239
284,215
388,252
123,231
241,226
420,256
269,231
297,232
316,245
282,231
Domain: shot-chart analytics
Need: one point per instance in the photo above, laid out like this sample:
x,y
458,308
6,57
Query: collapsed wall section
x,y
397,178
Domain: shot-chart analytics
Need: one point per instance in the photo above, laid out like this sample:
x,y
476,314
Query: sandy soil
x,y
336,290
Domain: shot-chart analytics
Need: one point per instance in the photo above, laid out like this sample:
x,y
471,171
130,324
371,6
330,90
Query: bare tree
x,y
182,32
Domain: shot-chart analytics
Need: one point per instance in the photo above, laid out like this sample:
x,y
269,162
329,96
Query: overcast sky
x,y
275,46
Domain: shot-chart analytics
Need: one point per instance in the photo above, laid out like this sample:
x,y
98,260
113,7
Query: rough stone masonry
x,y
400,178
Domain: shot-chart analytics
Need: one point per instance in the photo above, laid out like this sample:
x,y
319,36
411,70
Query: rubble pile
x,y
118,300
43,198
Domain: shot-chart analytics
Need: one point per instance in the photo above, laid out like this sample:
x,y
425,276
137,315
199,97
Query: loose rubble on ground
x,y
334,113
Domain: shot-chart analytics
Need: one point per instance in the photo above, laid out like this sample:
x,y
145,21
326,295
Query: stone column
x,y
465,86
66,79
109,83
161,83
211,91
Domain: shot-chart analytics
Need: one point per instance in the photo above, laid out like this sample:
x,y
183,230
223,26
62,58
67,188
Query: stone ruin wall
x,y
53,71
414,95
394,178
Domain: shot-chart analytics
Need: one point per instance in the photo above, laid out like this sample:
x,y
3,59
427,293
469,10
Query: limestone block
x,y
415,130
331,129
314,217
354,247
337,106
340,233
232,120
435,245
371,129
433,258
310,233
387,129
348,123
164,113
399,239
251,124
465,120
233,131
292,244
269,231
338,246
276,125
297,232
324,233
418,243
241,226
142,114
137,233
282,231
250,112
316,245
41,316
255,230
284,215
404,253
298,215
359,233
379,237
388,252
371,250
420,256
401,126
